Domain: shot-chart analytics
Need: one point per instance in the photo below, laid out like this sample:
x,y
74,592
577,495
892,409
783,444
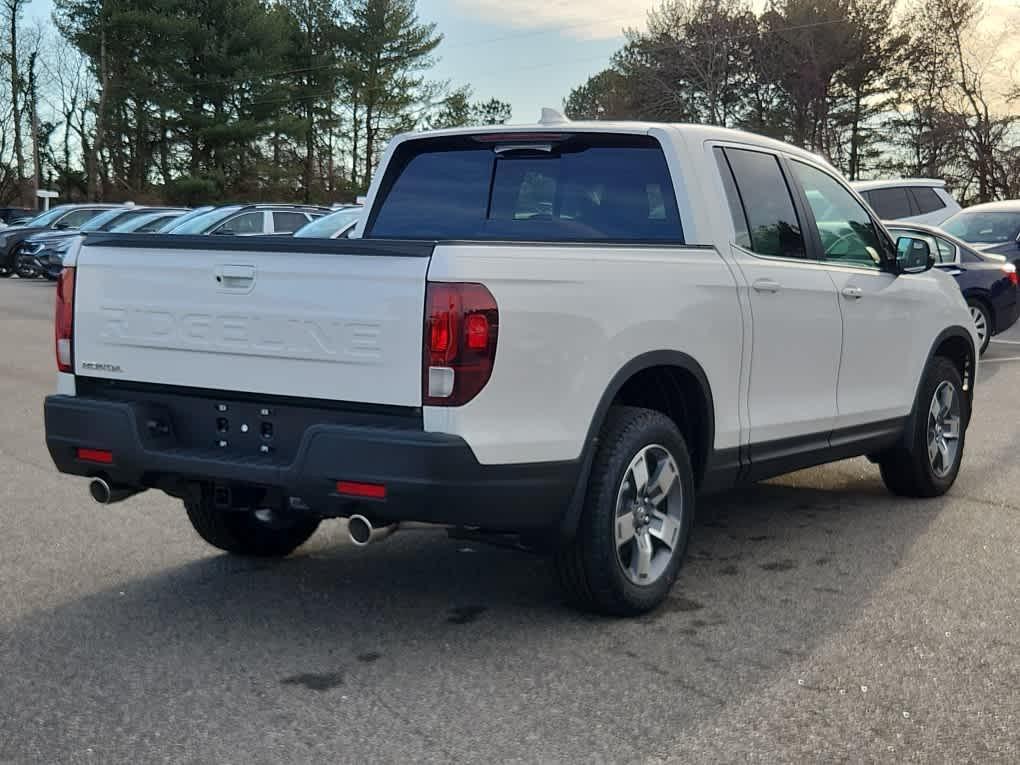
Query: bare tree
x,y
982,130
96,149
9,188
12,17
33,45
67,98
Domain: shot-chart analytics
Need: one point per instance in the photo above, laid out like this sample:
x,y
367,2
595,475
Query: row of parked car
x,y
35,247
979,245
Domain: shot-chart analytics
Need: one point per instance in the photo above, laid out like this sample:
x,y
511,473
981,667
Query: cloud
x,y
589,20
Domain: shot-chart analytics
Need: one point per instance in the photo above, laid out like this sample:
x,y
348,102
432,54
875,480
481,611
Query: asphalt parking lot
x,y
817,619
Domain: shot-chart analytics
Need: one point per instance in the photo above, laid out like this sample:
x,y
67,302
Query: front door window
x,y
848,234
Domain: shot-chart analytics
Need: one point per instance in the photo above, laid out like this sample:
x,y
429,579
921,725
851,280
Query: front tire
x,y
636,520
253,533
982,319
929,466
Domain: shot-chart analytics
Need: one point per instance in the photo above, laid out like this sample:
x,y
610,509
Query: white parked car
x,y
918,200
567,332
248,220
337,225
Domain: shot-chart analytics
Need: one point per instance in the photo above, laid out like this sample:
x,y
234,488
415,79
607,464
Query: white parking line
x,y
994,361
1007,342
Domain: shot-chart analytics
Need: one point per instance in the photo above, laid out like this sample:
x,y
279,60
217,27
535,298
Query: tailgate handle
x,y
235,278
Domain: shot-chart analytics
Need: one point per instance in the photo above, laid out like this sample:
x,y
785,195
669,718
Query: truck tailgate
x,y
336,320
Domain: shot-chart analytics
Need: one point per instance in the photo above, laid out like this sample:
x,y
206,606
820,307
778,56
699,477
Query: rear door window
x,y
926,200
891,204
769,216
288,222
946,251
564,188
155,224
123,218
76,218
241,225
943,251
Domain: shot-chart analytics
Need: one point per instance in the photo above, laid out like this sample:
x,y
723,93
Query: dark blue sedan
x,y
988,282
993,228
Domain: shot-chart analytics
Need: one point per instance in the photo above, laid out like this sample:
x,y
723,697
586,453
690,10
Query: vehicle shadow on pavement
x,y
426,644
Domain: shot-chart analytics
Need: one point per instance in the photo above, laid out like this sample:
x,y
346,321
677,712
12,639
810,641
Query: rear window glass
x,y
984,227
927,200
582,188
890,203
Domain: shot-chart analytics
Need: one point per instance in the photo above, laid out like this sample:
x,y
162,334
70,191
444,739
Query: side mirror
x,y
913,256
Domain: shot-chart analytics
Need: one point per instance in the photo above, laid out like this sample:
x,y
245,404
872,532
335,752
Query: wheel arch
x,y
635,384
956,344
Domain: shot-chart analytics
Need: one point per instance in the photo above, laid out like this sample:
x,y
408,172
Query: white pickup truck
x,y
565,332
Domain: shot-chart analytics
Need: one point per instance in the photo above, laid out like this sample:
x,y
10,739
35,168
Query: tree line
x,y
203,100
880,88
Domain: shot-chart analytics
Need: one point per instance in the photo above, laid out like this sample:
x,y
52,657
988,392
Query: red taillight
x,y
361,490
63,325
477,332
440,333
461,327
1011,274
101,456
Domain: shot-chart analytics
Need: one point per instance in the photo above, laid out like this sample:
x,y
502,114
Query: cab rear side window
x,y
763,212
567,188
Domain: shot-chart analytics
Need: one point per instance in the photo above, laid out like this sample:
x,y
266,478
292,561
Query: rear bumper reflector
x,y
102,456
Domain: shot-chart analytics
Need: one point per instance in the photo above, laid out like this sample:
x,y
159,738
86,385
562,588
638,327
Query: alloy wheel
x,y
649,515
944,429
980,322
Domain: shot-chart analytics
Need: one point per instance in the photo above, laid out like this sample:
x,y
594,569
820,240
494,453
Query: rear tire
x,y
631,539
982,318
242,532
929,466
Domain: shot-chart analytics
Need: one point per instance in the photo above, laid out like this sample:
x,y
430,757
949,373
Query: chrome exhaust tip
x,y
363,533
105,494
360,530
100,491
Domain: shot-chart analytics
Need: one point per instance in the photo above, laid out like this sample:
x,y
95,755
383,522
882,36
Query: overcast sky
x,y
532,52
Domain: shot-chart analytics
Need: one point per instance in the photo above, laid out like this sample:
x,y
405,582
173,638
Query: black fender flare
x,y
572,516
948,332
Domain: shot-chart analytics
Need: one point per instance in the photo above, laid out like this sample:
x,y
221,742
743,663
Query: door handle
x,y
235,278
766,285
853,293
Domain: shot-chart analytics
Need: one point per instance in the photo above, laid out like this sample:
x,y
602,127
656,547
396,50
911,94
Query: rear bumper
x,y
429,477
